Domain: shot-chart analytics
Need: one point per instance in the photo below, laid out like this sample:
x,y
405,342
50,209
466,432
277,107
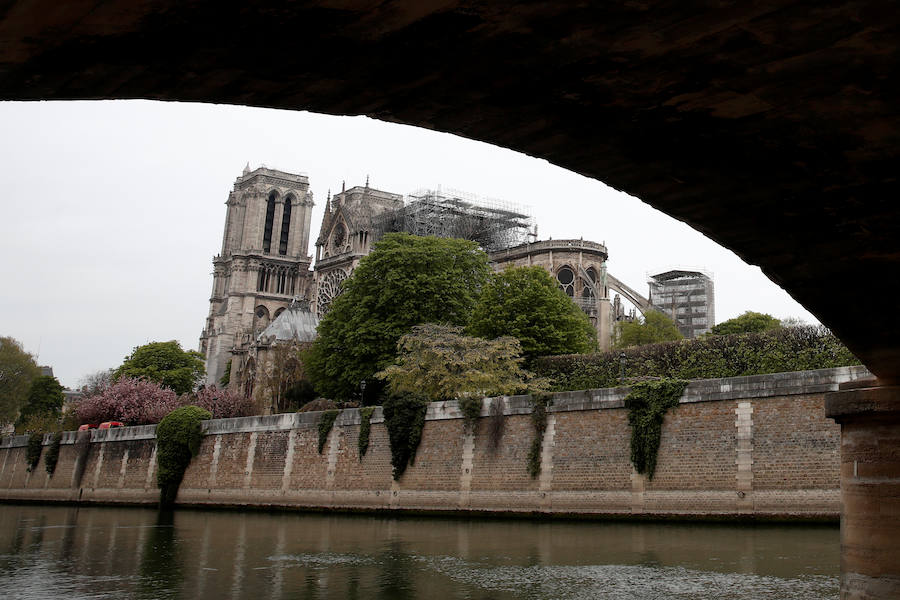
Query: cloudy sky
x,y
110,214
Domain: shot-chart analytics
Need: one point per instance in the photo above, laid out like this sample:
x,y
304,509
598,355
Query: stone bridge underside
x,y
772,127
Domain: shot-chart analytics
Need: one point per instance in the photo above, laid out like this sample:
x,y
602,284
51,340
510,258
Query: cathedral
x,y
264,293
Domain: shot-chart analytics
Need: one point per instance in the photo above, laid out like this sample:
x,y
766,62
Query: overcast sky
x,y
111,212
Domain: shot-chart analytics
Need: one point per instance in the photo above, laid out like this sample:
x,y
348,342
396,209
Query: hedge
x,y
774,351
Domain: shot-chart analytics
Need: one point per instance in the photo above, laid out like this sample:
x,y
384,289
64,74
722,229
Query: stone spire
x,y
247,169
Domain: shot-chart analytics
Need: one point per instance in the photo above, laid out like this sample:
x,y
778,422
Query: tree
x,y
166,363
441,363
405,281
17,369
94,383
221,403
747,323
527,304
653,328
280,375
132,401
45,400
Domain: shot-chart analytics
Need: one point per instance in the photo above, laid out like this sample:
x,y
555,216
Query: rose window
x,y
329,289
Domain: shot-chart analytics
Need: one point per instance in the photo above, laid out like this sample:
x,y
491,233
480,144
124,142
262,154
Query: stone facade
x,y
743,447
263,263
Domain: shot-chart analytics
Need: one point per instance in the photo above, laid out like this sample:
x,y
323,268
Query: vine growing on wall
x,y
404,417
82,451
326,422
647,404
540,404
496,423
178,438
470,407
51,457
33,450
365,426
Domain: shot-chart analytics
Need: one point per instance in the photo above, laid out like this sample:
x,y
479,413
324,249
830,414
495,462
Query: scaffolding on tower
x,y
493,224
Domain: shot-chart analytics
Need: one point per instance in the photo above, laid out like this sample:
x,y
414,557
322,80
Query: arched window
x,y
566,278
285,226
261,318
587,290
270,217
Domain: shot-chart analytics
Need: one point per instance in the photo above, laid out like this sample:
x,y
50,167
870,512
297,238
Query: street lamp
x,y
622,368
362,392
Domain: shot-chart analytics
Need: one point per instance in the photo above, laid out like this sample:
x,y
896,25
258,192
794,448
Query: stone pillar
x,y
869,416
604,324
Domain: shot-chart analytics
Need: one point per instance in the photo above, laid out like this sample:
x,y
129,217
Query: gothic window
x,y
566,278
340,234
261,318
329,289
285,226
587,290
270,218
279,311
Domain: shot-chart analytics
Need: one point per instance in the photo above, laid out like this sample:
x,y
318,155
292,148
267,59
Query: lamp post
x,y
622,368
362,392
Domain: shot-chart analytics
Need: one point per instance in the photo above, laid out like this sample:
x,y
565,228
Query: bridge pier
x,y
869,415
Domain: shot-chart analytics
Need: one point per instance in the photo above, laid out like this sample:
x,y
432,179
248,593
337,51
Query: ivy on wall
x,y
496,423
326,422
647,404
404,417
178,438
365,426
33,450
51,457
470,407
540,403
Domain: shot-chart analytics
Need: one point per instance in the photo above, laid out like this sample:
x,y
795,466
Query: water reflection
x,y
110,552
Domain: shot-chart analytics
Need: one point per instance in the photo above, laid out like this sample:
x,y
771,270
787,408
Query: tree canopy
x,y
45,400
441,363
405,281
749,322
527,304
17,369
165,363
653,328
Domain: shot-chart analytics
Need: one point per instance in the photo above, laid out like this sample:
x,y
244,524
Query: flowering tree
x,y
223,404
133,401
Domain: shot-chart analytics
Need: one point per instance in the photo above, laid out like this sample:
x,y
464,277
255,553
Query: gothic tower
x,y
263,263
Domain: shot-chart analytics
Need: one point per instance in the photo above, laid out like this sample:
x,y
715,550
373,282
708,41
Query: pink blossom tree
x,y
222,403
132,401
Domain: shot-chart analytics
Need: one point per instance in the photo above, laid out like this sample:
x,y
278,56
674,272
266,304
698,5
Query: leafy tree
x,y
94,383
527,304
17,369
132,401
441,363
749,322
653,328
166,363
405,281
45,399
282,376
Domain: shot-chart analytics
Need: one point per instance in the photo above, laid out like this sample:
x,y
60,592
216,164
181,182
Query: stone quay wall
x,y
756,447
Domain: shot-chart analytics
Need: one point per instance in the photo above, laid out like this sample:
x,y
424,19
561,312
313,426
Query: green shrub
x,y
365,426
52,455
647,404
178,438
774,351
540,403
470,407
404,417
326,422
33,450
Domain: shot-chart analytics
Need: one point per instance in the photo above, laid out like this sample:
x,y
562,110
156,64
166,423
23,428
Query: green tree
x,y
17,369
165,363
441,363
527,304
45,400
653,328
405,281
749,322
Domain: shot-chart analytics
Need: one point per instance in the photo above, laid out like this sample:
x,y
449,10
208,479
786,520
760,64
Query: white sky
x,y
110,214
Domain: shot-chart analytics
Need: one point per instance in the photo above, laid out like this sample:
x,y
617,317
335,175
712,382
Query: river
x,y
102,552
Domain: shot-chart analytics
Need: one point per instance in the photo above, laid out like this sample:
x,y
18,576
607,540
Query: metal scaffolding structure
x,y
492,224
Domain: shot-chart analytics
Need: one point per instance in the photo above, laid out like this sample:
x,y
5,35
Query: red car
x,y
111,424
87,426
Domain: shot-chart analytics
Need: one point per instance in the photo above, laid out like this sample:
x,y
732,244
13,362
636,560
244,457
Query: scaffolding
x,y
493,224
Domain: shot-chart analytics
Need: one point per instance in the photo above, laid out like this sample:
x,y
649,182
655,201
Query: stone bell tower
x,y
263,263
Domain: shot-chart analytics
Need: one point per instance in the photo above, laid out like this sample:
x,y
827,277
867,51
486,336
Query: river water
x,y
81,553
